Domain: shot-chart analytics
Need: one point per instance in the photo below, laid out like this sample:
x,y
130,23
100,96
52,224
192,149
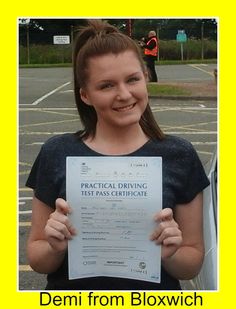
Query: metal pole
x,y
182,51
158,39
202,40
72,43
27,44
129,27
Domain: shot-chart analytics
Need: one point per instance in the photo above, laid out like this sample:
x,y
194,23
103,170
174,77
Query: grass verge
x,y
158,89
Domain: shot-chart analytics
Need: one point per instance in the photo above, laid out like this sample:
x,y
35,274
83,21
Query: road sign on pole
x,y
61,39
181,37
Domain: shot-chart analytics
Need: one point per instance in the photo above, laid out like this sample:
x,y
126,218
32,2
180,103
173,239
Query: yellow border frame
x,y
9,14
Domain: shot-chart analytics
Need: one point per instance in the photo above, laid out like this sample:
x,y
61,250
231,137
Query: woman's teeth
x,y
124,108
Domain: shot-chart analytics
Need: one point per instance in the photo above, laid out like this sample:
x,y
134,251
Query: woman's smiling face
x,y
116,88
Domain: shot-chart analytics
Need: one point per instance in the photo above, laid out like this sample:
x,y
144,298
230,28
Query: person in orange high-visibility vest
x,y
150,52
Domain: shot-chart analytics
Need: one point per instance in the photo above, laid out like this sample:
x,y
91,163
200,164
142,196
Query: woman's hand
x,y
167,233
59,229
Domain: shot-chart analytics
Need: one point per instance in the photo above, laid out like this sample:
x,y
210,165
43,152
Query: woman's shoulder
x,y
174,145
62,142
56,140
179,142
173,141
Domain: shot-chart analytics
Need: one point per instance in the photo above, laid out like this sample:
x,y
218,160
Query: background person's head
x,y
151,33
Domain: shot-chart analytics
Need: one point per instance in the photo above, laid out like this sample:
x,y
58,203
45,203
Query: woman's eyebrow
x,y
112,79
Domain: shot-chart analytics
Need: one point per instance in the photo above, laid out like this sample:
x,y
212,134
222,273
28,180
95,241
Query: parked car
x,y
207,278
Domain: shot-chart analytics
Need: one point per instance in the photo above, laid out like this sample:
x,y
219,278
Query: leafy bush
x,y
168,50
192,49
42,54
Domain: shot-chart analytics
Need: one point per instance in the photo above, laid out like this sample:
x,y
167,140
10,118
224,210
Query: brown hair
x,y
100,38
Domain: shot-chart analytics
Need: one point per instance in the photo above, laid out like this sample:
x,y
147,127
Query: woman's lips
x,y
124,108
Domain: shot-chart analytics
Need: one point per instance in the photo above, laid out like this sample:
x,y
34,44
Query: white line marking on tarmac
x,y
197,108
25,109
66,91
25,268
23,224
43,133
25,198
47,123
205,152
196,66
35,144
191,132
25,212
25,190
203,143
47,95
24,164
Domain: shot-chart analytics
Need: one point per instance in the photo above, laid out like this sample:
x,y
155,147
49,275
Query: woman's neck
x,y
117,142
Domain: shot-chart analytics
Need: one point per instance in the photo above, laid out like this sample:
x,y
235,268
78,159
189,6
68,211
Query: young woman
x,y
112,101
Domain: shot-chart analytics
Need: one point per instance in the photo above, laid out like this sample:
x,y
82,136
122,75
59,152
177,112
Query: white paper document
x,y
113,201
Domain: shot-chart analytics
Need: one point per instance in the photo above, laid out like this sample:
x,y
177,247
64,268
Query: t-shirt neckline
x,y
92,151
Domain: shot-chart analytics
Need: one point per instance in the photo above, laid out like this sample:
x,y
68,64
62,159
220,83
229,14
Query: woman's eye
x,y
106,86
133,79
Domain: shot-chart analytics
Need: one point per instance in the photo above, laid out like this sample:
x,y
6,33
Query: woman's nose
x,y
123,93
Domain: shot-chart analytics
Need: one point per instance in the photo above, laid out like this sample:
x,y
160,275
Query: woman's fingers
x,y
167,232
62,206
166,225
165,214
160,234
59,227
173,241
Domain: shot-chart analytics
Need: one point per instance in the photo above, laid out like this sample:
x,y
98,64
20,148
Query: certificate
x,y
113,201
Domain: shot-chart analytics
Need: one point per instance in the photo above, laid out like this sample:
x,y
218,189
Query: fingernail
x,y
74,231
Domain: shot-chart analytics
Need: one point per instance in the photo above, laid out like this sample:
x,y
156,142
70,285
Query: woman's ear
x,y
84,96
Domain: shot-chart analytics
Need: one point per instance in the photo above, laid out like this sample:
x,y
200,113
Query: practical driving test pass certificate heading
x,y
113,201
